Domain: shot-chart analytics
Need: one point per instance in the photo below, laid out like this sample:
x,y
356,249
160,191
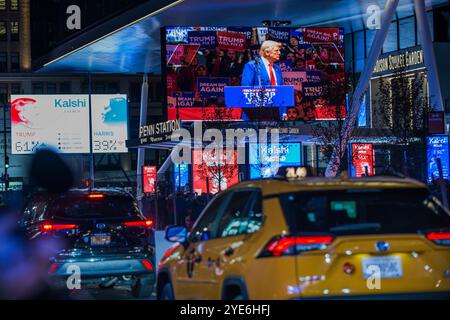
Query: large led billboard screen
x,y
201,61
62,122
262,158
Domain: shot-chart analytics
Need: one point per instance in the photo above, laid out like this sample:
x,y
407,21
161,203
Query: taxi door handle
x,y
228,252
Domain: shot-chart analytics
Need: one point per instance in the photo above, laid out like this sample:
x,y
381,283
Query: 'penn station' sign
x,y
399,60
158,132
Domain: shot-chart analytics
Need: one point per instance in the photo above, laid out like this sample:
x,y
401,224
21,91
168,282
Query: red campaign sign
x,y
149,176
231,40
171,83
363,159
183,55
336,78
436,123
206,113
315,35
208,168
310,64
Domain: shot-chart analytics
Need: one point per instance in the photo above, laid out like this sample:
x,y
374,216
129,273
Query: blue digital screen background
x,y
437,147
181,176
290,154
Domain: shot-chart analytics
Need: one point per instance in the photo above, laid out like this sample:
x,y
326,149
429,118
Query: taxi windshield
x,y
374,211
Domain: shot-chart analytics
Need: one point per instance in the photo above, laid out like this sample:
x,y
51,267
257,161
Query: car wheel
x,y
167,292
143,287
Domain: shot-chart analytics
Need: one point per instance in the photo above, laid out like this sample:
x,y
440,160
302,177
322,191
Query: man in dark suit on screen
x,y
263,71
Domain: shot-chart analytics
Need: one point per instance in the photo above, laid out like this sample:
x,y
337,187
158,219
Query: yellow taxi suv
x,y
374,237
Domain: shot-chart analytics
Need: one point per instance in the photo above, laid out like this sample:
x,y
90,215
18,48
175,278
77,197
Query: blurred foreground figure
x,y
24,263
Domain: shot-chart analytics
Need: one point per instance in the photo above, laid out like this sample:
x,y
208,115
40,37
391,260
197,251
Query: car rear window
x,y
372,211
78,207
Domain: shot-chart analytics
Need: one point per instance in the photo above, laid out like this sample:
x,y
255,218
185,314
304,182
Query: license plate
x,y
384,267
100,239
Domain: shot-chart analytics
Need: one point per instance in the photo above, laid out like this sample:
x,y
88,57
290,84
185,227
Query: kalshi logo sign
x,y
363,159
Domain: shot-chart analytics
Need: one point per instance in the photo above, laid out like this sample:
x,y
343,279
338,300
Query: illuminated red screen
x,y
208,174
149,176
363,159
201,61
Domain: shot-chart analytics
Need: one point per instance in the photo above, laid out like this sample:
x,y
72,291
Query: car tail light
x,y
147,265
292,245
47,227
96,196
441,238
140,223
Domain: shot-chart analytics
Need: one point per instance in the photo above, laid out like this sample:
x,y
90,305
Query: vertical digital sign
x,y
437,147
180,175
363,160
149,177
109,123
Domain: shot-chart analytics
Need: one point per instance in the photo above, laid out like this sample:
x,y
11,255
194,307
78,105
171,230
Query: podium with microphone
x,y
259,88
256,96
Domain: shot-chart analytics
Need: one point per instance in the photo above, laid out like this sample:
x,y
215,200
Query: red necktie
x,y
273,82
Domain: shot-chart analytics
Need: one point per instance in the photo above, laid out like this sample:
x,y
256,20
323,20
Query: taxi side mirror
x,y
176,234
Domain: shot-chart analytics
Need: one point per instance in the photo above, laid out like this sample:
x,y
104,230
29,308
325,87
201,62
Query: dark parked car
x,y
104,236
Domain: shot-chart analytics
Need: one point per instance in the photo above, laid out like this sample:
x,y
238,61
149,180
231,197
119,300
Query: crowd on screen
x,y
223,63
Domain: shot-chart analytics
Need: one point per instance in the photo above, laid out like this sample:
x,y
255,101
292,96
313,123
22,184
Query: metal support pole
x,y
442,184
91,152
141,151
349,123
179,177
5,146
429,57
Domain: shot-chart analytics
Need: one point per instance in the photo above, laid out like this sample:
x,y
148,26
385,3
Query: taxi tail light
x,y
167,254
141,223
169,251
441,238
147,264
48,227
293,245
